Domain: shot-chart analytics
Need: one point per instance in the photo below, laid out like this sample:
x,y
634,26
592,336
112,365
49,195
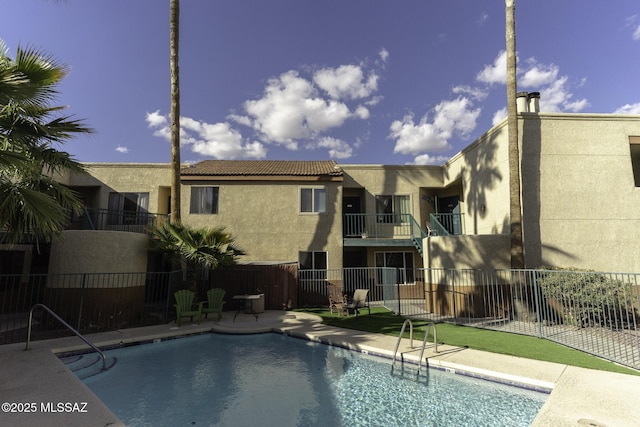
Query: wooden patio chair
x,y
185,307
215,302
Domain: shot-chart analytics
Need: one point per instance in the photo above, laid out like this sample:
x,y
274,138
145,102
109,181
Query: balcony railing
x,y
112,220
381,226
445,224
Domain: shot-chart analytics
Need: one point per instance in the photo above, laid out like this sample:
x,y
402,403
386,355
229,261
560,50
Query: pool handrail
x,y
82,337
424,341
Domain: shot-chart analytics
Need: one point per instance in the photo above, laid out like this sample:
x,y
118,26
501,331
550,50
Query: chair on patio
x,y
360,300
215,301
337,300
185,307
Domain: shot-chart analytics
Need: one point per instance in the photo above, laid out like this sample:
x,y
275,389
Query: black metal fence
x,y
89,302
594,312
99,302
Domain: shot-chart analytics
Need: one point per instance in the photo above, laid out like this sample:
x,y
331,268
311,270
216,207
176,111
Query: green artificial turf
x,y
385,322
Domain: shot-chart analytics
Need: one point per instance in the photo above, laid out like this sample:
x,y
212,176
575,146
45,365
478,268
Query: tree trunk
x,y
515,205
174,32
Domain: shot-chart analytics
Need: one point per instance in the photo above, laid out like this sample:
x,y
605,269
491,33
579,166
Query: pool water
x,y
272,379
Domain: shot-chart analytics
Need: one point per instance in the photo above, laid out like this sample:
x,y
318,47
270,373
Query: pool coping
x,y
577,395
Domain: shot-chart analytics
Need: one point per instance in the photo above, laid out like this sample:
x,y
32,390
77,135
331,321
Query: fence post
x,y
84,277
538,303
398,292
453,295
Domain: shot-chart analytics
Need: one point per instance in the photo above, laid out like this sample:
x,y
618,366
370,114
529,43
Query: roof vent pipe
x,y
521,102
534,102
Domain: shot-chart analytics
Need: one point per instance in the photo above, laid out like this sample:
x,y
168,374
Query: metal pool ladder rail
x,y
89,343
424,341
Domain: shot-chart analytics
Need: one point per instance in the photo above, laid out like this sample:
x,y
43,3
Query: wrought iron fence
x,y
109,301
593,312
89,302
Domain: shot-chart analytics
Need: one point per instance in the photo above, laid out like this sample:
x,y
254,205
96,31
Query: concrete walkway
x,y
45,393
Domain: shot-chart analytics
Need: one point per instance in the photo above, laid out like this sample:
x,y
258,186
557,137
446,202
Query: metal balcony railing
x,y
445,224
114,220
381,226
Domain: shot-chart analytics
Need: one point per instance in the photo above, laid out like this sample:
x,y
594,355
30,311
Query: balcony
x,y
382,230
113,220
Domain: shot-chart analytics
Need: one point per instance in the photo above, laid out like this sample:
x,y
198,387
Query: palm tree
x,y
195,248
31,201
174,32
515,206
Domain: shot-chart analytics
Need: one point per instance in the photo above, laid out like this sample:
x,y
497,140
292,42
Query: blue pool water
x,y
277,380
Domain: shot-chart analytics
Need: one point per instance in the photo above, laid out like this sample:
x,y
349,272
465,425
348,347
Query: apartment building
x,y
580,176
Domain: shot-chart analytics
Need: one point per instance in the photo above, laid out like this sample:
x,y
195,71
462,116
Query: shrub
x,y
590,298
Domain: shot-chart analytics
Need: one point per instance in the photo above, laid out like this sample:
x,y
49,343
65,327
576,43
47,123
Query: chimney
x,y
534,102
521,102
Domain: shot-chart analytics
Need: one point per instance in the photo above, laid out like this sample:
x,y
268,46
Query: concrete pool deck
x,y
37,380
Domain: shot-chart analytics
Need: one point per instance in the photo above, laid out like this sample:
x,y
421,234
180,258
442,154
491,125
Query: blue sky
x,y
357,81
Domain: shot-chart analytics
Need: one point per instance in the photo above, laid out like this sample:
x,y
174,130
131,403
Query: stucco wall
x,y
80,251
265,219
154,179
460,252
483,170
581,206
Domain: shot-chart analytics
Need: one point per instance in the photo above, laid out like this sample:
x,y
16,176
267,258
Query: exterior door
x,y
449,210
353,224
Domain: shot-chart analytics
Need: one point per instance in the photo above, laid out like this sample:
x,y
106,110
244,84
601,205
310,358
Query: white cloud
x,y
412,138
426,159
384,55
629,109
557,97
293,111
498,116
362,112
121,149
539,75
555,90
156,119
632,22
484,16
496,72
346,82
218,140
291,108
338,149
475,93
454,117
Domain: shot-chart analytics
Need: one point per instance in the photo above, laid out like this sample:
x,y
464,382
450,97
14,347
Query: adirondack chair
x,y
360,300
215,301
185,307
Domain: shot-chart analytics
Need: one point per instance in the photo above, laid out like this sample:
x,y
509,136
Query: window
x,y
204,200
315,264
393,209
403,261
635,158
128,208
313,200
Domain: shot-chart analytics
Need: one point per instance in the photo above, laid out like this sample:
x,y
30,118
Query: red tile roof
x,y
263,168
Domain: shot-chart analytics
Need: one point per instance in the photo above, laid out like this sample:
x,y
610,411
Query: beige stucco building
x,y
580,177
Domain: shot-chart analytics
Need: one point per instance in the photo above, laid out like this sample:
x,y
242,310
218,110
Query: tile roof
x,y
263,168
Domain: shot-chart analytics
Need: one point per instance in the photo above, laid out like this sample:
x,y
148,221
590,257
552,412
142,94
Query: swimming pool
x,y
272,379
